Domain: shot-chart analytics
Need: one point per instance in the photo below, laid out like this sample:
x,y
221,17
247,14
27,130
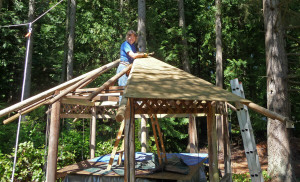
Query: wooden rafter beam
x,y
108,83
45,94
100,71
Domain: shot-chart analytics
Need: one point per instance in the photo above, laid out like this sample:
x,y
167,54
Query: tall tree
x,y
184,54
66,46
193,144
71,39
142,48
29,61
279,152
219,67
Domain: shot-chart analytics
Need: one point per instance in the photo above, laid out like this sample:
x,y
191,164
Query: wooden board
x,y
151,78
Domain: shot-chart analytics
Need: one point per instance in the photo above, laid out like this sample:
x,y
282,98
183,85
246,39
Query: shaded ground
x,y
239,163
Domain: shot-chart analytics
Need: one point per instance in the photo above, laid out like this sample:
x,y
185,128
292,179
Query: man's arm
x,y
136,55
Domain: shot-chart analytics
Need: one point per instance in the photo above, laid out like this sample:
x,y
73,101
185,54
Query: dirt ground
x,y
239,163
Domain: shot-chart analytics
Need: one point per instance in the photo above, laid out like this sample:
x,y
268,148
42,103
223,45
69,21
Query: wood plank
x,y
147,81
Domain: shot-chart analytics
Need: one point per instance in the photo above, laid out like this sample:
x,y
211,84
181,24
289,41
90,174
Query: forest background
x,y
100,29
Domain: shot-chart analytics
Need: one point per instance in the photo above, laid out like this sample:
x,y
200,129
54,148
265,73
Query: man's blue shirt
x,y
125,48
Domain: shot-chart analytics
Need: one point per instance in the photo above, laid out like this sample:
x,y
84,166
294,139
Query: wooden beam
x,y
227,151
143,134
193,141
111,89
212,144
129,151
156,140
161,139
93,133
114,151
100,71
121,111
10,119
266,112
53,143
45,94
132,143
108,83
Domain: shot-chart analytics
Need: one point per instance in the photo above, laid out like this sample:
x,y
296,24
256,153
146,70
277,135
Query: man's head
x,y
131,36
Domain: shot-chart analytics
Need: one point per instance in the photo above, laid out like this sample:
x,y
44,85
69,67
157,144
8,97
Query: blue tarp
x,y
188,158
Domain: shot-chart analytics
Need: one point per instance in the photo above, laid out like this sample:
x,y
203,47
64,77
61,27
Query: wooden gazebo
x,y
153,88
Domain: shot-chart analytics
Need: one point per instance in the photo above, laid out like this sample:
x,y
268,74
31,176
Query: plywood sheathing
x,y
154,79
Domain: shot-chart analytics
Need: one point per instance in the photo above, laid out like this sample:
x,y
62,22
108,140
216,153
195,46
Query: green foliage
x,y
246,177
29,166
175,135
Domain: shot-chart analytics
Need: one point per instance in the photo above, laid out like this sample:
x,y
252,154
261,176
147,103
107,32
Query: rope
x,y
24,80
24,24
22,98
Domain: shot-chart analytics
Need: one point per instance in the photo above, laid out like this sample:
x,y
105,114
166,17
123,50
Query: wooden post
x,y
129,148
212,144
53,142
143,134
156,140
93,133
193,140
227,151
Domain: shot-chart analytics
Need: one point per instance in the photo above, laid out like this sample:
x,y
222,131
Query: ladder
x,y
247,133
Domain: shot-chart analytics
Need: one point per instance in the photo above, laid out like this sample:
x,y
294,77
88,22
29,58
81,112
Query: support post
x,y
143,135
129,151
212,144
53,142
227,151
193,140
93,133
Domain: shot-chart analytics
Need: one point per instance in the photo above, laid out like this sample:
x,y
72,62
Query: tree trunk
x,y
142,26
29,63
142,48
63,67
71,40
219,67
279,152
184,55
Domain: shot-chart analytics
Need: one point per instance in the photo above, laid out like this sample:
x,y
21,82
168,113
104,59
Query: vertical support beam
x,y
132,143
93,133
129,147
227,151
156,140
53,142
193,140
212,144
144,134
